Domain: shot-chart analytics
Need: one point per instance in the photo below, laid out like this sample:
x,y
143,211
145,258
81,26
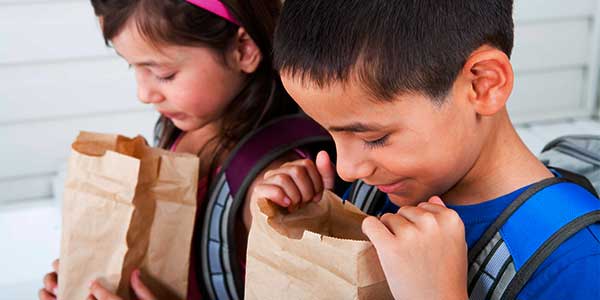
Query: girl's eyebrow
x,y
149,63
356,127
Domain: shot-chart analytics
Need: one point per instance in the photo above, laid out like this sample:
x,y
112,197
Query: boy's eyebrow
x,y
355,127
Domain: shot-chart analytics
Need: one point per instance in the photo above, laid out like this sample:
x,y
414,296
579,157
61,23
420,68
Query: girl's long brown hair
x,y
176,22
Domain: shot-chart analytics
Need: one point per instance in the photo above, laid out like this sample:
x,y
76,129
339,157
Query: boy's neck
x,y
504,165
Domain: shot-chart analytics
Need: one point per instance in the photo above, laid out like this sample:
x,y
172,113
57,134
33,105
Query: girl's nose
x,y
149,96
147,93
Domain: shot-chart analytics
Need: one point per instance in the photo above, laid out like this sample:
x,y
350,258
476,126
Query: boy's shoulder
x,y
572,271
534,243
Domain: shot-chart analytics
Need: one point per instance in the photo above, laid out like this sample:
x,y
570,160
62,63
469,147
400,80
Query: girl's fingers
x,y
44,295
50,283
101,293
55,264
326,169
141,291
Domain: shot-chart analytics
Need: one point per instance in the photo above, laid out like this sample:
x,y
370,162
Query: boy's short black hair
x,y
390,46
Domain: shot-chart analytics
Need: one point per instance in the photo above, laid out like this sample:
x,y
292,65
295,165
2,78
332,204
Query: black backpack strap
x,y
576,178
497,271
219,269
366,197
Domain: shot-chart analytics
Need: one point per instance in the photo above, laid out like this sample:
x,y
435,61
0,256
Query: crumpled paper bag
x,y
126,205
316,252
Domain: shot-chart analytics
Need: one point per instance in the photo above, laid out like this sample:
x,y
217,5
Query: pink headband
x,y
215,7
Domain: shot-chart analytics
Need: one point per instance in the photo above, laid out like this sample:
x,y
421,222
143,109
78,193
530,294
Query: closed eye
x,y
378,143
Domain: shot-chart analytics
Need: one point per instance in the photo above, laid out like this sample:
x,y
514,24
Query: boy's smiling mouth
x,y
393,187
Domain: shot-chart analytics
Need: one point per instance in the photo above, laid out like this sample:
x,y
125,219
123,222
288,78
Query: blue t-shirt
x,y
571,272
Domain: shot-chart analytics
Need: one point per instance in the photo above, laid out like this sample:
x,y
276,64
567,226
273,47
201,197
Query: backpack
x,y
579,154
218,268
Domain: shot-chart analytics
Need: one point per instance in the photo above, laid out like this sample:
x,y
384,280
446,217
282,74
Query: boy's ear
x,y
247,54
489,78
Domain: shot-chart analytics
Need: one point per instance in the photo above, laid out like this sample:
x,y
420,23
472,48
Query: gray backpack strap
x,y
497,273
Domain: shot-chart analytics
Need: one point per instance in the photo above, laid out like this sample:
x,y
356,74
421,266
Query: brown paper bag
x,y
126,206
316,252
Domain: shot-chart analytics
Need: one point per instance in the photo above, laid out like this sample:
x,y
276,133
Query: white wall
x,y
56,78
555,59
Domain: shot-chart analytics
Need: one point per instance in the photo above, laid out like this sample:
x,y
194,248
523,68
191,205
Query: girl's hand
x,y
296,182
50,284
422,251
98,292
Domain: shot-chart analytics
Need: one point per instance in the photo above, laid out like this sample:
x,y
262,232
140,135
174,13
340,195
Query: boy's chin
x,y
404,199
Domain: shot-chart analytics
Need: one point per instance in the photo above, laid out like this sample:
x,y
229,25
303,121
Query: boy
x,y
414,93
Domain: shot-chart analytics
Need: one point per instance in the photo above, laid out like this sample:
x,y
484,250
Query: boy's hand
x,y
297,181
422,251
50,284
98,292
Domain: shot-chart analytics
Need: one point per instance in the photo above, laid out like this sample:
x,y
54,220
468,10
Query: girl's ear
x,y
247,55
488,75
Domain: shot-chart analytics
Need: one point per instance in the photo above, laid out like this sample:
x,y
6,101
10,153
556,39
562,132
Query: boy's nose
x,y
351,167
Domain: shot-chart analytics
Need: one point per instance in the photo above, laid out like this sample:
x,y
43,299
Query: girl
x,y
205,66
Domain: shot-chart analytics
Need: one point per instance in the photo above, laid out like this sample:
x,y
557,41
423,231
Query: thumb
x,y
375,230
141,291
436,200
326,169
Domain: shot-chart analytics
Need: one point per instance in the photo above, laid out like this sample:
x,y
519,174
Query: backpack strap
x,y
507,255
220,270
366,197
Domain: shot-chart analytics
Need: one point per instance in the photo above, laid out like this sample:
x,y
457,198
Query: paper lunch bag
x,y
126,206
316,252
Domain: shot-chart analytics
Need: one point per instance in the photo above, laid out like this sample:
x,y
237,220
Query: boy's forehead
x,y
337,104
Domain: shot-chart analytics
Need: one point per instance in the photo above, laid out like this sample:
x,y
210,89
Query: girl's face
x,y
192,86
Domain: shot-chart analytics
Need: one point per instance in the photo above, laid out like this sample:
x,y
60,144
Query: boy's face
x,y
411,148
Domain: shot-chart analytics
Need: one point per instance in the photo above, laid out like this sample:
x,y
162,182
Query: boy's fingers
x,y
394,222
326,169
272,192
55,264
101,293
287,184
304,173
141,291
44,295
375,230
302,181
314,175
436,200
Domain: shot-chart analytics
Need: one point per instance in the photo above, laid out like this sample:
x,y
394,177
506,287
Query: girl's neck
x,y
504,165
202,142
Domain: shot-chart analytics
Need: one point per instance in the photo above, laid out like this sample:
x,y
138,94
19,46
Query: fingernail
x,y
287,201
55,291
90,284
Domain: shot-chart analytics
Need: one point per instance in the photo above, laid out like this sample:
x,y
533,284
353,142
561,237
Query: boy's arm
x,y
422,251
